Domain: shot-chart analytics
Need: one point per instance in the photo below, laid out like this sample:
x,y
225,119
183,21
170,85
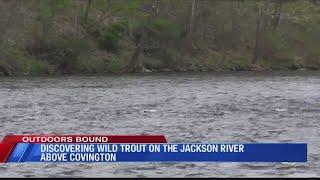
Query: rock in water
x,y
281,109
150,110
143,69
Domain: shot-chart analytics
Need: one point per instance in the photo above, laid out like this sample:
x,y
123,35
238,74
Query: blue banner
x,y
268,152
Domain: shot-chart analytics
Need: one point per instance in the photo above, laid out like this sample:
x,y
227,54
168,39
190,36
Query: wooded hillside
x,y
101,36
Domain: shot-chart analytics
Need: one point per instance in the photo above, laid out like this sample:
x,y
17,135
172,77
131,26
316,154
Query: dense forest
x,y
118,36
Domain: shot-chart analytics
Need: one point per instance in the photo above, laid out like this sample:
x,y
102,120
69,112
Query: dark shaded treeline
x,y
100,36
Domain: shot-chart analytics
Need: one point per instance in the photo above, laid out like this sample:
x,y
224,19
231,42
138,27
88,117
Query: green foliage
x,y
47,8
88,64
111,36
22,63
276,41
33,66
116,64
100,64
164,29
169,57
236,63
166,26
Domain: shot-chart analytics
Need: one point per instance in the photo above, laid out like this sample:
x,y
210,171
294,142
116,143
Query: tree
x,y
192,12
261,27
12,8
277,15
86,13
235,21
141,37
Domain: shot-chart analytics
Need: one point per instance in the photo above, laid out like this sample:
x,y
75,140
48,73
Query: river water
x,y
244,107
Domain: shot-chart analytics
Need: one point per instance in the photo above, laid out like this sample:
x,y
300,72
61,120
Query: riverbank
x,y
19,64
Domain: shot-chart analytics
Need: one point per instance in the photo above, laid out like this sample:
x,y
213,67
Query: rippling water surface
x,y
229,107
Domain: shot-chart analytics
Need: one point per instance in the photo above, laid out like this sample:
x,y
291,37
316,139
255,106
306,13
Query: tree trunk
x,y
277,15
235,24
6,27
134,62
46,24
76,17
86,13
192,16
261,27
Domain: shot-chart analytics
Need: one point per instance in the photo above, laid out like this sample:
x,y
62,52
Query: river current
x,y
238,107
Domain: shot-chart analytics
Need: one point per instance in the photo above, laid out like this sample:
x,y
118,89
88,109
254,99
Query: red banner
x,y
9,142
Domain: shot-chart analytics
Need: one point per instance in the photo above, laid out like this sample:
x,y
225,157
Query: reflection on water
x,y
234,107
